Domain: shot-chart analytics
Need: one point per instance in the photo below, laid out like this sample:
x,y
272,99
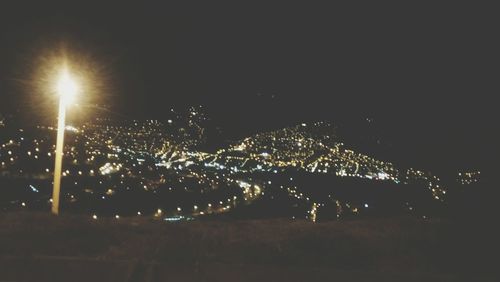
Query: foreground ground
x,y
40,247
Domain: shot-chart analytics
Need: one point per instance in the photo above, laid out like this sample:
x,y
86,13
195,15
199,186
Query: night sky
x,y
428,75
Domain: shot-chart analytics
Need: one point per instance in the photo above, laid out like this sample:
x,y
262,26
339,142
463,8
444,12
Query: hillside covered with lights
x,y
161,169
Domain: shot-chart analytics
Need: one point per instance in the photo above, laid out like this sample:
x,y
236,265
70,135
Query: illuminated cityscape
x,y
158,169
243,141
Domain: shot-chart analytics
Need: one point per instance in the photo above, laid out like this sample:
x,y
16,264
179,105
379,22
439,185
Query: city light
x,y
67,90
107,161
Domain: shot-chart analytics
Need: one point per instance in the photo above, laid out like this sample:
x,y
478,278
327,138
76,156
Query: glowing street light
x,y
67,89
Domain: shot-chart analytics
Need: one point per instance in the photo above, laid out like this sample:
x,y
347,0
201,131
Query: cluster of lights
x,y
152,156
469,177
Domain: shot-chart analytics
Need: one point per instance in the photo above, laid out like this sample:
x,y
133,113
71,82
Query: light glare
x,y
66,87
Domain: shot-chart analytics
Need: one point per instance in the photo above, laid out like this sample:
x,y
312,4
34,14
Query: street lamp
x,y
67,90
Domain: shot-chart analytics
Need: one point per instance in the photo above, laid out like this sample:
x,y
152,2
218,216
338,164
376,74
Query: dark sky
x,y
427,74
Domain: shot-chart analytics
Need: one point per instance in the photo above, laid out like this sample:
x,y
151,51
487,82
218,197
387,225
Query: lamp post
x,y
66,89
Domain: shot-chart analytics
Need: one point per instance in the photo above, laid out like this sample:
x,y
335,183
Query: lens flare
x,y
67,88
